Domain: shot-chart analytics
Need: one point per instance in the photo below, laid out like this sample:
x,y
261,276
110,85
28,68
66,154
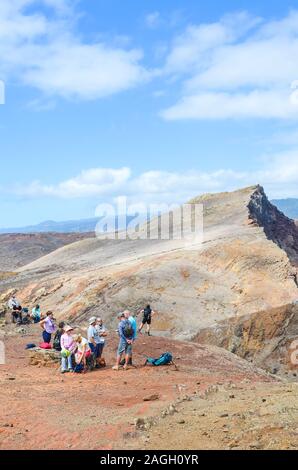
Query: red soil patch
x,y
41,409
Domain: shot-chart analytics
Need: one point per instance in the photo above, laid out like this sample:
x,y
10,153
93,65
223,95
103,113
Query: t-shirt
x,y
49,325
93,333
67,342
101,329
13,302
147,313
36,312
134,326
121,328
81,345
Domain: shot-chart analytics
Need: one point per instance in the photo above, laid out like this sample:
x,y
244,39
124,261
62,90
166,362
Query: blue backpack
x,y
79,368
164,360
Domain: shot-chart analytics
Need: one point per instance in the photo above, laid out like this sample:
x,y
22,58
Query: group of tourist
x,y
77,352
21,315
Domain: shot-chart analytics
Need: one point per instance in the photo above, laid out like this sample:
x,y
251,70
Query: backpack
x,y
79,368
128,329
56,342
164,360
147,312
45,346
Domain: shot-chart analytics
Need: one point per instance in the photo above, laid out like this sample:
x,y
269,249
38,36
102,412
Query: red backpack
x,y
45,346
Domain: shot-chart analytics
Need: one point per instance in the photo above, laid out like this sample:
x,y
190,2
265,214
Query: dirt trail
x,y
41,409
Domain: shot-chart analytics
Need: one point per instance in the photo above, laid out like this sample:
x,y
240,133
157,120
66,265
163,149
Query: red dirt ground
x,y
42,409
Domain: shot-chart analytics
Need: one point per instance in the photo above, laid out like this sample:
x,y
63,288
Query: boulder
x,y
44,357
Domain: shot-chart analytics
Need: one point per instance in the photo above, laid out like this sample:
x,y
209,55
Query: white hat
x,y
68,328
92,320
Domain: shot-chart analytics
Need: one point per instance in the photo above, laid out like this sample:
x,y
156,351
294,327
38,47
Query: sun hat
x,y
92,320
120,315
68,328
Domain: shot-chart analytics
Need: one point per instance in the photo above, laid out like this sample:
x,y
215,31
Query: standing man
x,y
102,333
147,318
94,340
132,319
126,338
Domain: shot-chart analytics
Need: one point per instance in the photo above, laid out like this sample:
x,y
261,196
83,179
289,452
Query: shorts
x,y
95,349
146,320
124,347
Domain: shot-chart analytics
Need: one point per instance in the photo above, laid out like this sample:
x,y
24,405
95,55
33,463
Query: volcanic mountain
x,y
236,289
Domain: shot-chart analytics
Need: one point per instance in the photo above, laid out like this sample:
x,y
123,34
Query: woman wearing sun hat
x,y
68,348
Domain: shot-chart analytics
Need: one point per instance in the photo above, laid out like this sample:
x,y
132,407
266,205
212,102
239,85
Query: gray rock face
x,y
277,227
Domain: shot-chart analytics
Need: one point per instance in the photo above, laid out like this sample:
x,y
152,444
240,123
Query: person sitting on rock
x,y
68,348
25,316
16,309
83,350
13,302
36,314
48,327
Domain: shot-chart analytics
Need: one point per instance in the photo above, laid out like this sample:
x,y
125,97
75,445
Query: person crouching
x,y
83,351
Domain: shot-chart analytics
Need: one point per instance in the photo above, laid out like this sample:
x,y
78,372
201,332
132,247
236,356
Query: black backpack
x,y
128,329
56,342
147,312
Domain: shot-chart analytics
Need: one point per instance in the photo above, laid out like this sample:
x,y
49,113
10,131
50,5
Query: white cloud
x,y
92,182
238,67
254,104
153,19
279,175
195,46
47,53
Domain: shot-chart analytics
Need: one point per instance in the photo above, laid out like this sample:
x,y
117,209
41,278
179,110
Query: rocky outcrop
x,y
266,338
44,357
277,227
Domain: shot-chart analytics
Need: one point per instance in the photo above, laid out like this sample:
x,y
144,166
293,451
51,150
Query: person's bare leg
x,y
119,357
141,327
127,358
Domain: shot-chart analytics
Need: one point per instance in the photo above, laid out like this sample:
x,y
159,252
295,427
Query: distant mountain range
x,y
288,206
70,226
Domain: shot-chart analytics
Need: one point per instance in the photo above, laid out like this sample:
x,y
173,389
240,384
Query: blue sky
x,y
156,100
